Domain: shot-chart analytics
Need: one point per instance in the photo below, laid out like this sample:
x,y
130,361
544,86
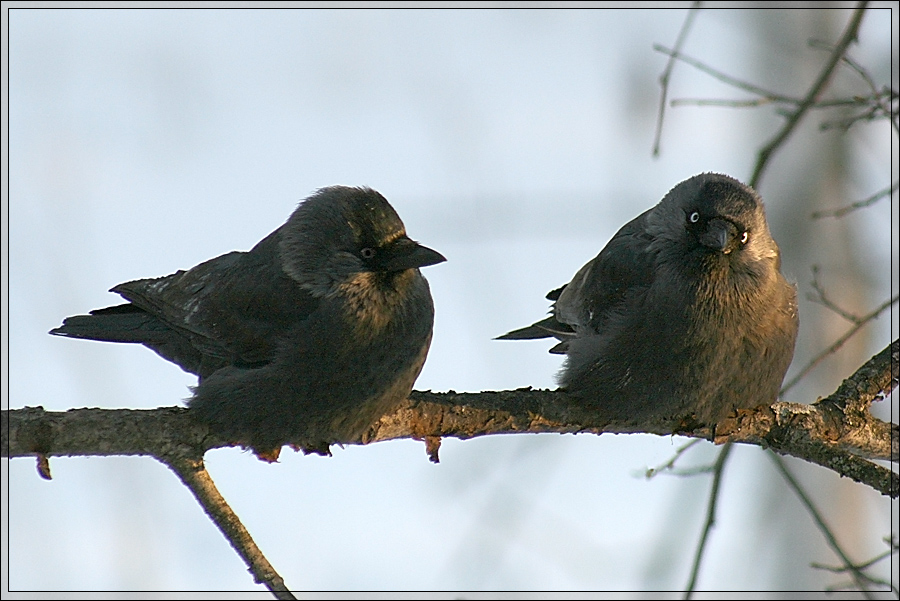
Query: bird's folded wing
x,y
624,266
235,307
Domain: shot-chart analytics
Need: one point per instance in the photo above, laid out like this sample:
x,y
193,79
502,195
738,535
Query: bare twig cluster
x,y
876,103
858,571
861,581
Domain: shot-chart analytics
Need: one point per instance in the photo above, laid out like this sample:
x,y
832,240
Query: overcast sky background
x,y
515,142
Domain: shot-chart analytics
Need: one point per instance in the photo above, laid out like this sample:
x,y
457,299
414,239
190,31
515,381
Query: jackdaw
x,y
683,316
307,338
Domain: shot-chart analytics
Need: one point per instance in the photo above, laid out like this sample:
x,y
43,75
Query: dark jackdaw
x,y
308,338
684,315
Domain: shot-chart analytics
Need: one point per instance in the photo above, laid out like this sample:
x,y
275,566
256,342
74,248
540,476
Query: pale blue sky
x,y
515,142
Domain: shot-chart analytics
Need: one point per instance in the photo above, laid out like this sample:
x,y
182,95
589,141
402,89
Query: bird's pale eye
x,y
694,217
744,237
367,253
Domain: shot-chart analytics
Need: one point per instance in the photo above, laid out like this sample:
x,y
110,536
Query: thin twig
x,y
687,472
859,578
722,102
669,466
818,86
710,518
727,79
836,344
821,298
859,204
860,70
757,102
664,78
193,474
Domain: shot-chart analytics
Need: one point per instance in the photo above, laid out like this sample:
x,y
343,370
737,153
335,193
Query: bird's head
x,y
340,232
714,218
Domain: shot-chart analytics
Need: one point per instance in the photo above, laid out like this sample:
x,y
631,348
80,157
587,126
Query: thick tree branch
x,y
838,432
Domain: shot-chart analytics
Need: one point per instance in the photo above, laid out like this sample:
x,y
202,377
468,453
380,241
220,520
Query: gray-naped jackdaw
x,y
308,338
684,315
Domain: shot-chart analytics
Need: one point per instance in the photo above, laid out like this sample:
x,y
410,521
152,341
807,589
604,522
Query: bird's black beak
x,y
403,253
721,235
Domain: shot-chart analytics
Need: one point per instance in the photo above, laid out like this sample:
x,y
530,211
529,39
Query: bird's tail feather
x,y
543,329
121,323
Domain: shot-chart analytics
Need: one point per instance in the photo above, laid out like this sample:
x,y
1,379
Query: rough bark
x,y
837,432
